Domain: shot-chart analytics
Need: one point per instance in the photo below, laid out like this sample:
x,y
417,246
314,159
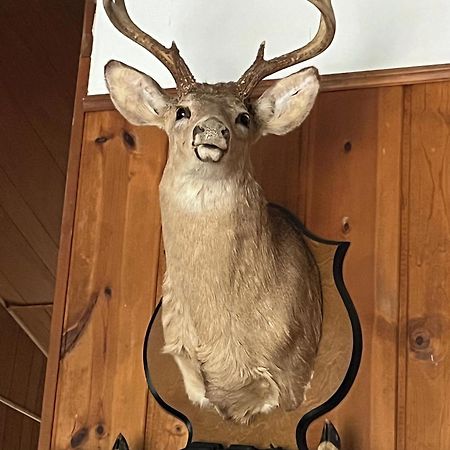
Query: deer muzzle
x,y
210,140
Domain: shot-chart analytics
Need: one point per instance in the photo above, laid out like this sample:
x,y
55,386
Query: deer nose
x,y
211,128
197,130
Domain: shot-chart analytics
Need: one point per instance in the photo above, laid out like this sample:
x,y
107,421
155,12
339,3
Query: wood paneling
x,y
112,286
42,79
276,161
67,225
19,260
21,381
369,166
27,222
36,319
428,313
17,432
353,146
26,161
39,44
387,242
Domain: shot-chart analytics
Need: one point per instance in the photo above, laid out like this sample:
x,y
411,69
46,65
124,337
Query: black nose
x,y
225,133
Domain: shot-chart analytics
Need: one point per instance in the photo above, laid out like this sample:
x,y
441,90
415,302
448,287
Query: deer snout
x,y
210,139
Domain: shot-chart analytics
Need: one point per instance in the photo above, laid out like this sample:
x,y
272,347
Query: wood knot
x,y
129,140
347,147
345,225
101,140
424,336
108,292
178,430
79,437
420,340
100,430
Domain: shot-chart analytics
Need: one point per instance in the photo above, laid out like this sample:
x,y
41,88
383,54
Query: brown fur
x,y
242,301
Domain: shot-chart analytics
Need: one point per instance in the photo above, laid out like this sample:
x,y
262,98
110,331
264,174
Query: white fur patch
x,y
193,382
199,195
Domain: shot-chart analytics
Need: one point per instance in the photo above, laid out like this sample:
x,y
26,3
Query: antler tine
x,y
262,68
170,57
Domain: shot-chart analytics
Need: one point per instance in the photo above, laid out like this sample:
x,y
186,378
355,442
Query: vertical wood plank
x,y
428,369
276,161
66,235
387,242
354,146
112,286
17,432
403,274
21,381
19,258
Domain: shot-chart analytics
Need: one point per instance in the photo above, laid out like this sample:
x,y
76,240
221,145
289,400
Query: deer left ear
x,y
286,104
138,97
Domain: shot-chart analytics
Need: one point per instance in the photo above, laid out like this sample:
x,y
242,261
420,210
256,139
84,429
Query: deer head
x,y
211,126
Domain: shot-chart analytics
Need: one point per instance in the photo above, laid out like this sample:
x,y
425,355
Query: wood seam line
x,y
19,306
23,326
19,409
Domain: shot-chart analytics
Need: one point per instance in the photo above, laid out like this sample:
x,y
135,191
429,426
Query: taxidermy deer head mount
x,y
242,301
206,122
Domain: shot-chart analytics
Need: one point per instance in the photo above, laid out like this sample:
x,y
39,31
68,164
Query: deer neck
x,y
198,197
212,213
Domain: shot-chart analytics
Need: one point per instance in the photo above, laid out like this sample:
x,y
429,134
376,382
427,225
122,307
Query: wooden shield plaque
x,y
335,368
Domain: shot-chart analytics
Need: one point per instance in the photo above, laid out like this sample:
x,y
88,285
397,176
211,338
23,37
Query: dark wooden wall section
x,y
22,380
39,47
370,166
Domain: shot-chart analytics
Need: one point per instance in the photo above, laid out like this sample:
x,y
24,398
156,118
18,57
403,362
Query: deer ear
x,y
286,104
138,97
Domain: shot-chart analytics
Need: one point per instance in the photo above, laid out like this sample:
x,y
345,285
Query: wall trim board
x,y
329,83
20,409
68,219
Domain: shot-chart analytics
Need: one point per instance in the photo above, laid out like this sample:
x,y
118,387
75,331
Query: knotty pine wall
x,y
370,166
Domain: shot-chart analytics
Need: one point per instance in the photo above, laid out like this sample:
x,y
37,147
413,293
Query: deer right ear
x,y
285,105
138,97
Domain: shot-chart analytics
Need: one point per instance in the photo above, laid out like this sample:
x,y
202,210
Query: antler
x,y
170,57
262,68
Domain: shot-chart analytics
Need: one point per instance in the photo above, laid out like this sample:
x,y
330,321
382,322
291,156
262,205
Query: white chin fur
x,y
209,153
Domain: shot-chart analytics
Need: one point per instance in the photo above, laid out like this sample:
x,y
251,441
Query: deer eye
x,y
183,113
243,119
